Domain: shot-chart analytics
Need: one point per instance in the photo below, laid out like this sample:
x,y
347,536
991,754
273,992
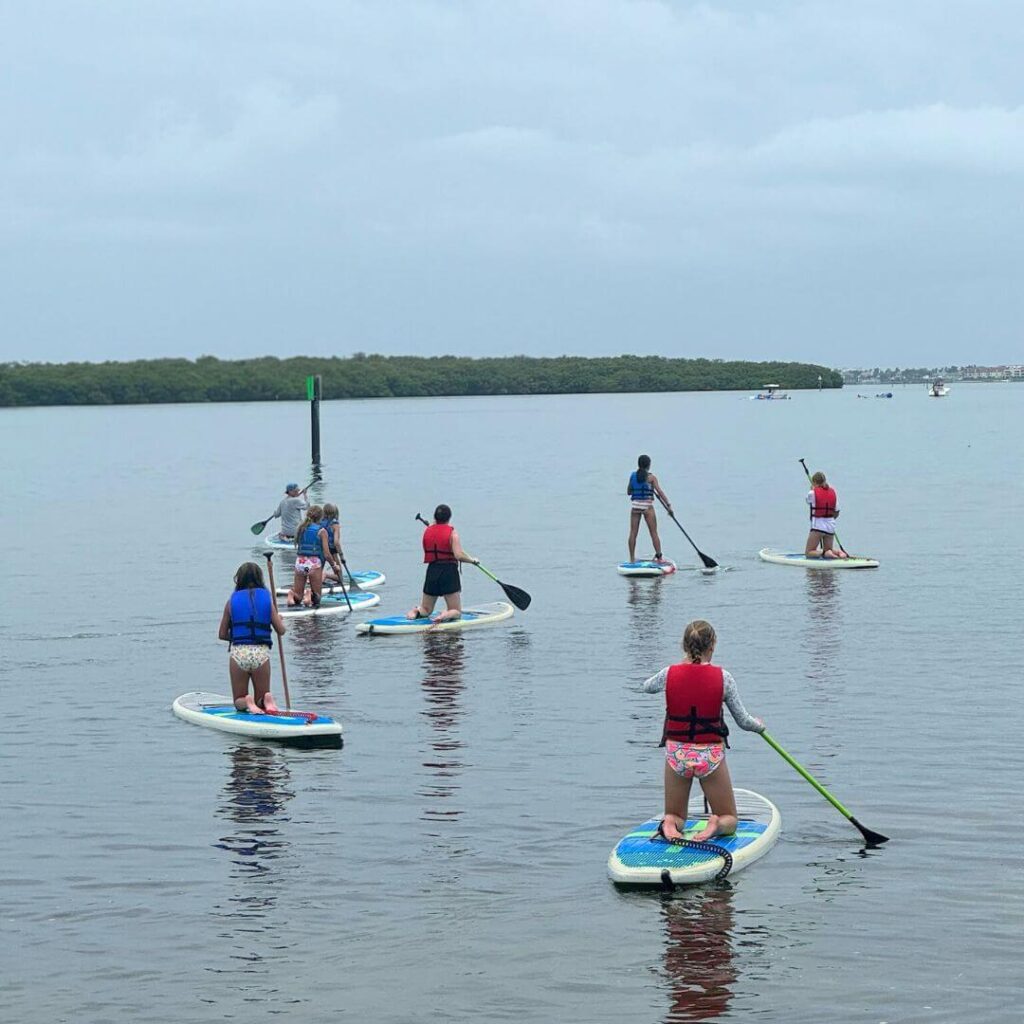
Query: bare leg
x,y
298,588
812,545
827,540
677,799
261,687
424,608
634,529
651,518
453,607
243,700
316,584
718,789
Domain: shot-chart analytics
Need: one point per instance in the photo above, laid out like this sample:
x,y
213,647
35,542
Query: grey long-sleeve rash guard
x,y
730,697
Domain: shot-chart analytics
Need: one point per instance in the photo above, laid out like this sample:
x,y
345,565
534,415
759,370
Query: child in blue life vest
x,y
250,618
694,734
641,489
312,553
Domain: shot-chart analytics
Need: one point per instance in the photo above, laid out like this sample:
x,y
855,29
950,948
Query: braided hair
x,y
698,640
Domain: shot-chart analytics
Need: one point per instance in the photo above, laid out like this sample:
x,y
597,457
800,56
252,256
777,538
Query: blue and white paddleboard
x,y
478,615
367,579
641,860
332,604
215,711
647,568
279,543
802,561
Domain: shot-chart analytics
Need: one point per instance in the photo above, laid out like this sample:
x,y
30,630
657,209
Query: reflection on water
x,y
444,662
698,953
822,643
644,599
255,798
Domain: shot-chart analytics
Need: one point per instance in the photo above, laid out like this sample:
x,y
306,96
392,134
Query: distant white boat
x,y
937,389
771,393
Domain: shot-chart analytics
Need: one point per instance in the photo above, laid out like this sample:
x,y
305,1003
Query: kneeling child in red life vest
x,y
694,735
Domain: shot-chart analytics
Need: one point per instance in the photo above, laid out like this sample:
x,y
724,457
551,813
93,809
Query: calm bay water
x,y
449,862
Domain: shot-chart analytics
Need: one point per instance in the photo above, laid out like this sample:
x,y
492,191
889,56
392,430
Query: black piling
x,y
314,392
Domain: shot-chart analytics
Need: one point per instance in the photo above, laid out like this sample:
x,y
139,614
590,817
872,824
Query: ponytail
x,y
643,465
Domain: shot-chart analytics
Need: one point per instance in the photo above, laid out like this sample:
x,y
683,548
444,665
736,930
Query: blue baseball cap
x,y
291,487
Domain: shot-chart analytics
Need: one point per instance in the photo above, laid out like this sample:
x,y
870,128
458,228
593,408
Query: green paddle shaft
x,y
789,759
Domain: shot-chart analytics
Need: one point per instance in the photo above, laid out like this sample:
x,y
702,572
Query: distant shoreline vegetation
x,y
207,379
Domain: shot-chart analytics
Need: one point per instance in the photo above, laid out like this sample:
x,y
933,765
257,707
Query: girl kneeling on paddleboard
x,y
442,551
824,509
249,616
331,524
694,735
641,488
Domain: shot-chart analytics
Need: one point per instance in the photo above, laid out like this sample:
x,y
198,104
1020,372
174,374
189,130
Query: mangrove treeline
x,y
369,376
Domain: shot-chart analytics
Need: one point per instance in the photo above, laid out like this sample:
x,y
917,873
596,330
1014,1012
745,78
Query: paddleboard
x,y
215,711
479,615
640,860
278,543
332,604
368,579
801,560
647,568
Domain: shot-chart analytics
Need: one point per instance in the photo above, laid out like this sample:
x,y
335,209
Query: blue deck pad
x,y
401,620
660,566
229,711
638,850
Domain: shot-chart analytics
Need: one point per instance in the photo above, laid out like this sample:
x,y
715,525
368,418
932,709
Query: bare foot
x,y
415,613
710,830
670,828
268,705
451,613
252,707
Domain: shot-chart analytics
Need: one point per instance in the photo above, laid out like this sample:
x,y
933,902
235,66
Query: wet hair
x,y
819,479
313,515
442,514
330,511
643,464
698,639
248,576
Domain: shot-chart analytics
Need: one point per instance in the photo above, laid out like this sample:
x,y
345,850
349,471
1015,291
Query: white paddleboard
x,y
801,560
640,860
647,568
367,579
215,711
278,543
332,604
478,615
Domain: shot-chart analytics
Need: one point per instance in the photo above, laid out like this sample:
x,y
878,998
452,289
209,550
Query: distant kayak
x,y
647,568
641,860
800,560
332,604
297,728
366,580
478,615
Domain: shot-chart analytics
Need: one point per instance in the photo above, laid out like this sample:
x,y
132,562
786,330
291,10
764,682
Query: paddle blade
x,y
258,528
520,598
709,563
871,838
352,585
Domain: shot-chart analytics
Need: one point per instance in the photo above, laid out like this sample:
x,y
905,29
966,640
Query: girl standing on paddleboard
x,y
312,553
694,734
442,551
249,616
824,509
641,489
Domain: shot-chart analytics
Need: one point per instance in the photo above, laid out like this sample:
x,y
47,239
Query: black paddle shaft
x,y
709,562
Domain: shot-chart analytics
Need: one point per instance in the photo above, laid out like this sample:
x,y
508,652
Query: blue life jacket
x,y
250,617
328,525
309,541
640,491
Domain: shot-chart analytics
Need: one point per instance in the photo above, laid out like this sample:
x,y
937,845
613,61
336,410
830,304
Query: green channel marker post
x,y
314,392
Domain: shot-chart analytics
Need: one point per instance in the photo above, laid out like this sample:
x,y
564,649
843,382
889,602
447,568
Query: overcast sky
x,y
834,182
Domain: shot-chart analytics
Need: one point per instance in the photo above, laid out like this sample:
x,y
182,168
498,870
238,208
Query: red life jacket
x,y
437,543
693,704
824,503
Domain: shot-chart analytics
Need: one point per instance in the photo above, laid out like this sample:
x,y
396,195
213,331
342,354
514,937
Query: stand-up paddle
x,y
872,838
811,482
280,640
709,562
258,528
351,581
519,597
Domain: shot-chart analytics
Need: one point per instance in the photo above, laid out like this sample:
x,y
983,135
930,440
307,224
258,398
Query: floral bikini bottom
x,y
694,760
